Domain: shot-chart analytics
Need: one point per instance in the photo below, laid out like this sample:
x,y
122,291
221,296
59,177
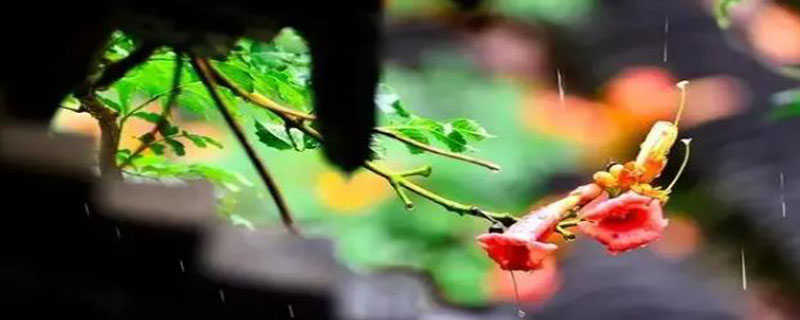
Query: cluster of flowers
x,y
620,209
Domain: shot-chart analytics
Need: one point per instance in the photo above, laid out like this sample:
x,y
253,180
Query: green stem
x,y
424,171
391,134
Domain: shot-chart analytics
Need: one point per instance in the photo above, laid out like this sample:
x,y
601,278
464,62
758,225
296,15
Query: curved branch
x,y
203,69
284,112
391,134
398,180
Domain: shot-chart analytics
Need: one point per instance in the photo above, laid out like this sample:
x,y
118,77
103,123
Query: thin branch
x,y
397,180
158,127
151,100
391,134
203,69
259,99
273,106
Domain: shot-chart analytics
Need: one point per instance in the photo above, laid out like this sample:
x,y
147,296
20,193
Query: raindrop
x,y
221,296
665,55
183,268
783,195
291,311
86,207
520,312
560,87
744,273
119,234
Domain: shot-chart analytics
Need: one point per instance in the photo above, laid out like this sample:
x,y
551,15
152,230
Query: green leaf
x,y
416,135
722,12
147,138
194,98
167,129
273,135
288,40
212,142
388,102
157,148
177,147
148,116
109,103
470,129
788,105
196,139
235,73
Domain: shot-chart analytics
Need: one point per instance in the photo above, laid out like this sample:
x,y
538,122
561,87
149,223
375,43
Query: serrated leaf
x,y
455,141
273,135
389,103
416,135
177,147
148,116
470,129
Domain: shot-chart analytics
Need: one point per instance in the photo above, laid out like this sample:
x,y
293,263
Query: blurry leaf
x,y
148,116
195,98
196,139
240,221
177,147
722,12
416,135
167,129
157,148
310,143
236,74
288,40
389,103
147,138
212,142
470,129
454,141
109,103
122,155
273,135
788,103
71,102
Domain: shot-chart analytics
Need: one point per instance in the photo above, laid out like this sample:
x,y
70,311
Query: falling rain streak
x,y
520,313
560,87
291,311
86,207
221,296
183,268
119,234
744,273
665,54
783,195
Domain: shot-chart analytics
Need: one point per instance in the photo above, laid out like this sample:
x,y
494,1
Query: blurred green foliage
x,y
447,103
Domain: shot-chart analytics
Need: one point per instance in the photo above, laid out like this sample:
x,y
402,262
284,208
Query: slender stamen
x,y
682,87
687,143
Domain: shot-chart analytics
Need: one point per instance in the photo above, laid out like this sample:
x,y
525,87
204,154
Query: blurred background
x,y
567,86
